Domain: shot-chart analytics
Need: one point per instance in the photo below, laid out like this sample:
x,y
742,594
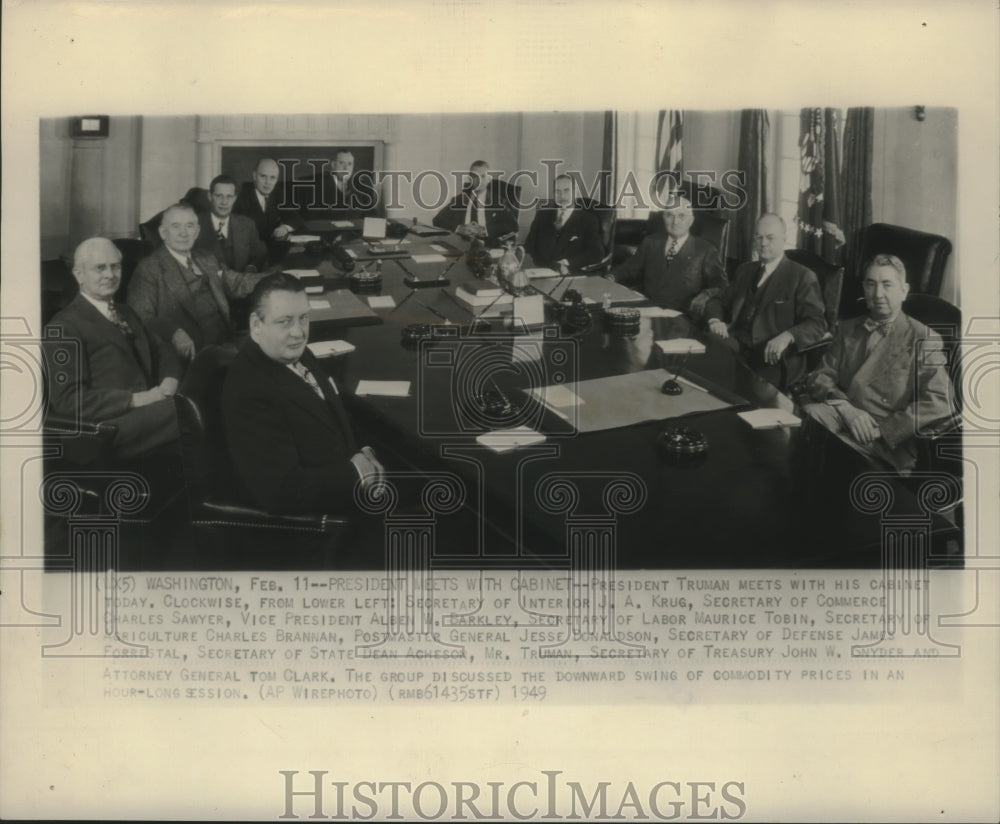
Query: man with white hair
x,y
675,270
104,364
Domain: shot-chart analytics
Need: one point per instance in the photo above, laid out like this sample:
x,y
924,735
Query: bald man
x,y
258,201
772,310
675,270
104,364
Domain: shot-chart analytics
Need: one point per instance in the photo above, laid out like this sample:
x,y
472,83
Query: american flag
x,y
669,143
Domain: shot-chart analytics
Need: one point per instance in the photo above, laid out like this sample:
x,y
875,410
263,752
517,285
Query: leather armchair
x,y
923,254
831,284
220,517
707,225
606,219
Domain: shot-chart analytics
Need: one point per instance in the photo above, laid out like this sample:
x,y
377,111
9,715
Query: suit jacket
x,y
158,294
243,246
93,371
291,449
578,241
268,219
895,385
695,271
789,301
501,217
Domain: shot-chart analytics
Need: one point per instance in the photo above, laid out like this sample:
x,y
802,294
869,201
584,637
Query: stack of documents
x,y
503,440
681,346
770,418
330,348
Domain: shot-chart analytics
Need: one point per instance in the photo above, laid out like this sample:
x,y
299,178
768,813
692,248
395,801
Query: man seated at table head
x,y
232,238
876,381
675,270
481,209
183,293
564,235
258,200
341,193
774,308
118,371
287,430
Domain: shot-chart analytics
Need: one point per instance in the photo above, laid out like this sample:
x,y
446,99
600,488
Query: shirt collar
x,y
100,305
680,241
181,259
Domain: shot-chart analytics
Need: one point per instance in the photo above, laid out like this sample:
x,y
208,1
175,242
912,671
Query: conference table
x,y
754,498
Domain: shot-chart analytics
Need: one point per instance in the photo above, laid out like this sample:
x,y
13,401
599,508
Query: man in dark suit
x,y
286,427
481,210
774,308
232,238
339,193
564,235
675,270
883,376
183,294
104,364
258,201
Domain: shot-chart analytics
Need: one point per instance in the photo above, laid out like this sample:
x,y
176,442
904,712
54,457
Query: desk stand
x,y
906,541
94,547
409,544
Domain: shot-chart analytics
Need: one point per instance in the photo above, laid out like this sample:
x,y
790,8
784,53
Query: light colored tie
x,y
878,330
222,230
309,378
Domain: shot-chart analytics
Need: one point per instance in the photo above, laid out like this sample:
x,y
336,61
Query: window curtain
x,y
752,161
819,188
609,182
859,135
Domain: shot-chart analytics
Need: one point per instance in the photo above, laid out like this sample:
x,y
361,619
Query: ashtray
x,y
622,320
416,332
366,282
679,442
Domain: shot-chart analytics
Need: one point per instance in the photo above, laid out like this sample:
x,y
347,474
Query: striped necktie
x,y
309,378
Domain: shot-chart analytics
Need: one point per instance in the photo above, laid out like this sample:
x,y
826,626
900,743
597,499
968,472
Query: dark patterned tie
x,y
191,267
877,330
671,251
560,218
757,280
115,316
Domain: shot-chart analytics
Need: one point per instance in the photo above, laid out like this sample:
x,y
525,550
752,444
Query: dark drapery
x,y
819,193
752,163
859,133
609,183
669,147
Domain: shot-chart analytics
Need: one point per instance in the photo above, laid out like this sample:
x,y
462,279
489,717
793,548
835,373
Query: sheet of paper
x,y
302,238
328,348
541,272
373,227
496,254
529,310
352,253
503,440
302,273
314,290
381,301
681,346
315,303
342,224
389,389
427,258
438,247
657,312
557,395
769,418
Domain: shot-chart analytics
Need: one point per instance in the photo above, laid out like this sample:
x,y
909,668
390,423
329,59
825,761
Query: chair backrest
x,y
605,220
831,281
945,319
133,250
198,198
208,471
149,230
629,232
713,228
923,254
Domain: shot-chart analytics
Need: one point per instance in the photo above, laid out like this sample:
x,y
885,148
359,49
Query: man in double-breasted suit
x,y
232,238
258,201
564,234
104,364
677,270
883,375
774,308
481,210
287,431
183,294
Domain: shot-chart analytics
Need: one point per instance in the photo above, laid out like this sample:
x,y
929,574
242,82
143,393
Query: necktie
x,y
309,378
671,250
115,316
560,218
877,332
222,231
757,280
191,267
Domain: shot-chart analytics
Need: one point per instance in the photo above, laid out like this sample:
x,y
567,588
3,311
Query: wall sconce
x,y
920,112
